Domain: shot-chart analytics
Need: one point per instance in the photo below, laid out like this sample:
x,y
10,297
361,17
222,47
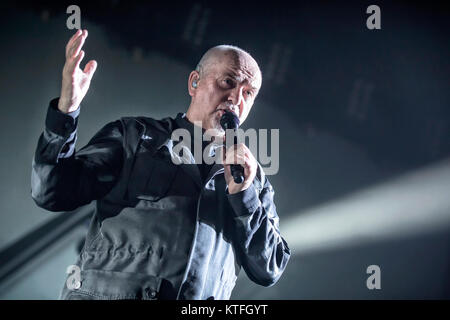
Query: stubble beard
x,y
214,128
214,121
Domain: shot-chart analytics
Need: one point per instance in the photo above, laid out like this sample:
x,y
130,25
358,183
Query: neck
x,y
195,119
191,116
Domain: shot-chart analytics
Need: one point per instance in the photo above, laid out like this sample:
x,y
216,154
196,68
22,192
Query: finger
x,y
245,151
239,153
229,156
79,58
73,46
222,149
243,148
234,159
240,148
240,160
90,68
74,37
77,33
232,147
246,172
72,40
227,174
78,45
247,163
243,160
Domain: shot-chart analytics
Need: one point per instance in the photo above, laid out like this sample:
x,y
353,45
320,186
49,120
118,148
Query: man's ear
x,y
193,82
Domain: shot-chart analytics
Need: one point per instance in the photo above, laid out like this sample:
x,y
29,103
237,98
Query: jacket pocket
x,y
80,296
113,285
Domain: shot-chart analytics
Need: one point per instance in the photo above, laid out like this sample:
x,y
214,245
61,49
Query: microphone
x,y
230,121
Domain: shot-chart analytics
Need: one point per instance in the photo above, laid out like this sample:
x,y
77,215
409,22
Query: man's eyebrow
x,y
233,75
236,77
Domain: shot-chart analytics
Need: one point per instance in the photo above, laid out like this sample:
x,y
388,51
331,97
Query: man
x,y
160,230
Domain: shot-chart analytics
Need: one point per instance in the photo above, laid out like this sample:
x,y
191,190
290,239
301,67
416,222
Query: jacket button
x,y
77,285
150,293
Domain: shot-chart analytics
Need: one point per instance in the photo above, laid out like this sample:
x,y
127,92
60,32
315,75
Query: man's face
x,y
232,83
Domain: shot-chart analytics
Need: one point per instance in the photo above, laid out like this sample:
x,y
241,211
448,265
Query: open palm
x,y
75,82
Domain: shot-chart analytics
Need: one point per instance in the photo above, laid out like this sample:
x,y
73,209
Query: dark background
x,y
358,110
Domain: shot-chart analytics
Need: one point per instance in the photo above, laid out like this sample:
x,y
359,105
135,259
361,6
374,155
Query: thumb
x,y
227,172
222,151
90,68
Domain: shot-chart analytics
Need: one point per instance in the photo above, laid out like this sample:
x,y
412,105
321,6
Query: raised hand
x,y
75,82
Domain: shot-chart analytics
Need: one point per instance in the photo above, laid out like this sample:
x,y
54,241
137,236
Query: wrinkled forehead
x,y
241,66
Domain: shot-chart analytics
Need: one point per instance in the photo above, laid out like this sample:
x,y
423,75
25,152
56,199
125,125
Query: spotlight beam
x,y
415,203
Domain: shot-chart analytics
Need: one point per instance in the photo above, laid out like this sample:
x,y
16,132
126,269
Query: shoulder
x,y
135,130
146,124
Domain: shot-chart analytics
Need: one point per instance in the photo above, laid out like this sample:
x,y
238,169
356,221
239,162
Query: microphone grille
x,y
229,120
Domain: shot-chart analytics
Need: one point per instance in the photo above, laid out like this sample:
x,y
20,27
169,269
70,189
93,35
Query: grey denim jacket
x,y
127,169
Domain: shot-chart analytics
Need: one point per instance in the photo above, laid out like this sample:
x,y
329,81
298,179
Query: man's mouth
x,y
221,111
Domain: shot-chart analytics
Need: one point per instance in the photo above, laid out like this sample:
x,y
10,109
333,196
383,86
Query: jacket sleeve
x,y
62,179
264,253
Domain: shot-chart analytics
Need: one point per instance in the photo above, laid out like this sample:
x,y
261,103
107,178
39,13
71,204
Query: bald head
x,y
232,55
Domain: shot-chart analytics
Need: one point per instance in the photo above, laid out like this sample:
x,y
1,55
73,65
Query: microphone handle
x,y
237,171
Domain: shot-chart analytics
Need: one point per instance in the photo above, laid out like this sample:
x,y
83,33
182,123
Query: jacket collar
x,y
156,140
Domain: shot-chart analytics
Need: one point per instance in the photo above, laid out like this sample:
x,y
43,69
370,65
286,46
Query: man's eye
x,y
228,82
250,93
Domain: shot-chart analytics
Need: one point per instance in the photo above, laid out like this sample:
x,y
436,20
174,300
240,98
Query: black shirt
x,y
182,122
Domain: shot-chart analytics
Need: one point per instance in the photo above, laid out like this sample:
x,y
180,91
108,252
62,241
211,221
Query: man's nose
x,y
236,97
